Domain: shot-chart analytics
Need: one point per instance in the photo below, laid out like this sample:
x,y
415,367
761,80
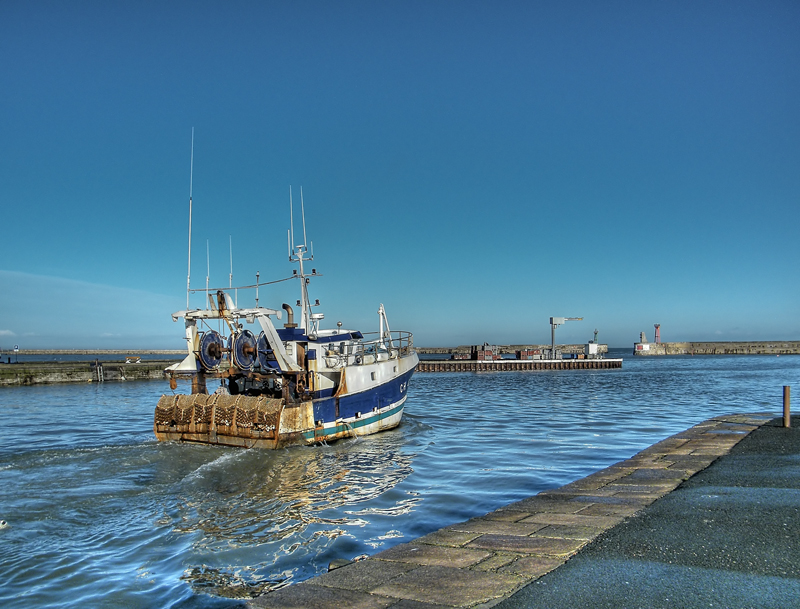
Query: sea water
x,y
101,515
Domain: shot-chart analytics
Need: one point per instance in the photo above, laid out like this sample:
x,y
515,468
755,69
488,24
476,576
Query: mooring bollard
x,y
786,408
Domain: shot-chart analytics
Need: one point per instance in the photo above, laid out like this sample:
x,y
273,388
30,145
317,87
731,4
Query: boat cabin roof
x,y
298,334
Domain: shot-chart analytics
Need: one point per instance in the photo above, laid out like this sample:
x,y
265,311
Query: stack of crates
x,y
485,352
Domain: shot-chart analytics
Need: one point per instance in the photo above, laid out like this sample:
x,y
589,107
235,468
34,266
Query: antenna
x,y
303,211
208,269
230,277
291,221
191,172
297,253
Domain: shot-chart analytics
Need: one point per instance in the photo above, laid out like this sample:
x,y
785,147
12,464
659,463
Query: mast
x,y
297,254
303,289
230,276
291,222
191,171
303,213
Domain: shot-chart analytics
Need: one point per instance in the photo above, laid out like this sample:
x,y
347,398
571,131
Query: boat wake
x,y
294,506
221,463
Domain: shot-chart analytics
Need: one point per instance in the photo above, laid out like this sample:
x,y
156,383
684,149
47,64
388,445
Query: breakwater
x,y
514,365
783,347
508,349
91,353
35,373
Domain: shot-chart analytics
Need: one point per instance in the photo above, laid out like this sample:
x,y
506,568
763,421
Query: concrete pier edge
x,y
38,373
480,562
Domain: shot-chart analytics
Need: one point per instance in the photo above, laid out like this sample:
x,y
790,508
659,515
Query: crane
x,y
554,323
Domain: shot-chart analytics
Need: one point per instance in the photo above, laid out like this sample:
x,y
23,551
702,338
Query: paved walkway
x,y
509,558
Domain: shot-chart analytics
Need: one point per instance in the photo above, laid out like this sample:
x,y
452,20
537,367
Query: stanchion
x,y
787,422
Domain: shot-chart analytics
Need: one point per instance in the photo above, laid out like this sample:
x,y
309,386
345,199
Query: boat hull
x,y
246,437
261,422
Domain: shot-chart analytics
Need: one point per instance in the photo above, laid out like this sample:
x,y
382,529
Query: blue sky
x,y
476,167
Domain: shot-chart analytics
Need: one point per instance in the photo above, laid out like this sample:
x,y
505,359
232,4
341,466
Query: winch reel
x,y
211,350
243,349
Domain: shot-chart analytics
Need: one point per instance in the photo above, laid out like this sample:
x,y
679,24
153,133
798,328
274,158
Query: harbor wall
x,y
460,365
35,373
92,353
571,349
784,347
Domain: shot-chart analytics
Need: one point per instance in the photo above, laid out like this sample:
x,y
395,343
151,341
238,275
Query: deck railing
x,y
396,340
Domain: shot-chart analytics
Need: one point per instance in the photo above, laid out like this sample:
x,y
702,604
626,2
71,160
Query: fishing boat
x,y
283,385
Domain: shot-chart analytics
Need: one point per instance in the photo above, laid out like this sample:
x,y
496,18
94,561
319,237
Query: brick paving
x,y
481,561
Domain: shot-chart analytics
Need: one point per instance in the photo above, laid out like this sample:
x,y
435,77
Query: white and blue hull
x,y
368,406
378,406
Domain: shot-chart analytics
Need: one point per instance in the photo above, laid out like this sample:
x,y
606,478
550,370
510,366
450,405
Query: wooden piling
x,y
461,365
787,415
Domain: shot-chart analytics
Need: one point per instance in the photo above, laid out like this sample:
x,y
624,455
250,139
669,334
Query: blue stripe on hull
x,y
391,392
331,433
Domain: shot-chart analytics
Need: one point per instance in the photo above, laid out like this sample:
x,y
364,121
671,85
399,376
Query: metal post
x,y
786,407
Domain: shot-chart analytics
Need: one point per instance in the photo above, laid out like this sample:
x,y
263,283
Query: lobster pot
x,y
199,416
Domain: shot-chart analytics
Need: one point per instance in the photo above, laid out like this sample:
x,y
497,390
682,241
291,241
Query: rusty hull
x,y
241,421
